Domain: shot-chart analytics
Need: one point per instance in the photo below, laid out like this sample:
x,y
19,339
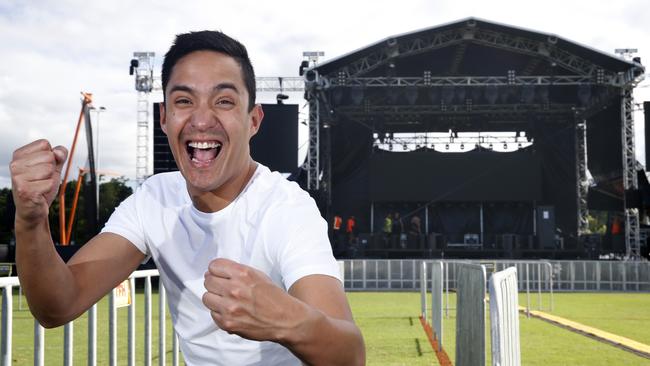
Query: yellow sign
x,y
123,294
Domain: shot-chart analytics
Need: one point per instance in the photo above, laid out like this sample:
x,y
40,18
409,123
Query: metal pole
x,y
39,345
539,286
161,323
527,292
482,229
92,335
423,290
372,217
112,329
446,289
68,343
7,318
131,321
147,321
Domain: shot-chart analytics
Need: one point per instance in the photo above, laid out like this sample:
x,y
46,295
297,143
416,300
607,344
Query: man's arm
x,y
58,292
313,320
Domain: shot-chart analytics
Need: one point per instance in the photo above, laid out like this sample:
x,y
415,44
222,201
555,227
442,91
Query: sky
x,y
50,51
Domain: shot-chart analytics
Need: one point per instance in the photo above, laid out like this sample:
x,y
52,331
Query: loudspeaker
x,y
163,160
546,227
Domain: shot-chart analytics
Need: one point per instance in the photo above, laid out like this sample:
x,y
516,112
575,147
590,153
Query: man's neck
x,y
217,200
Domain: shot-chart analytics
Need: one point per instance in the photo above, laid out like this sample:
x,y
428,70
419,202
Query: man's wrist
x,y
22,225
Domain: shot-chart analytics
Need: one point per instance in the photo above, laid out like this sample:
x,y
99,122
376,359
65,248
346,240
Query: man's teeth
x,y
204,145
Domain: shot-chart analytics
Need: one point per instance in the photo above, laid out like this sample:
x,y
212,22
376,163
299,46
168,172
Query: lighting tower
x,y
142,68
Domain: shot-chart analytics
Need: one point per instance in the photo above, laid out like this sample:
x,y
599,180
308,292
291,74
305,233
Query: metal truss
x,y
464,81
582,184
406,111
546,49
630,181
280,84
313,161
142,146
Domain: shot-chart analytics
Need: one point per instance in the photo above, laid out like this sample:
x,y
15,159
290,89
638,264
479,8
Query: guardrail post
x,y
92,335
131,324
147,321
39,344
7,318
68,343
112,329
161,323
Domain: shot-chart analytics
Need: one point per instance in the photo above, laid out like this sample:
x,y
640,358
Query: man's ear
x,y
163,121
256,116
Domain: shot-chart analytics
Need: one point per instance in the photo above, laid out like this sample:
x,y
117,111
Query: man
x,y
245,285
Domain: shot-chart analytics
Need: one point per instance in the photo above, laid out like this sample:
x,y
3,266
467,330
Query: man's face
x,y
207,122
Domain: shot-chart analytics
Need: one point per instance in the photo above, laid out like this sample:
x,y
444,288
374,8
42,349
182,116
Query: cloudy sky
x,y
52,50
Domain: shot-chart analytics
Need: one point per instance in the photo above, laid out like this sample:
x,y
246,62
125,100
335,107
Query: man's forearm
x,y
323,340
46,280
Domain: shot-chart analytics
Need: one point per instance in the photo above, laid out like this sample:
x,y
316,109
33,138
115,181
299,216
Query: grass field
x,y
393,333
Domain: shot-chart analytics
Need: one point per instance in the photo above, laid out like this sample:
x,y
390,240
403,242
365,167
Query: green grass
x,y
391,328
392,331
384,321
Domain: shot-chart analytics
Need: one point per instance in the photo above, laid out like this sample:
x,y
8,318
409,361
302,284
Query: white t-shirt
x,y
273,226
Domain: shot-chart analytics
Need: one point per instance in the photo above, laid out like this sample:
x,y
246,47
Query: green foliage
x,y
111,193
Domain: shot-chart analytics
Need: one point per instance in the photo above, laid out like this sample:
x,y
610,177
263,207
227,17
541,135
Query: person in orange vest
x,y
336,232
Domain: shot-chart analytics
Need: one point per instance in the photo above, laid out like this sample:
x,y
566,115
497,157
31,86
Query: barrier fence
x,y
6,335
544,275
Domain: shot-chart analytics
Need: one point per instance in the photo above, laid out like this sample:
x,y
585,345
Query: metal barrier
x,y
543,276
504,318
437,286
6,334
470,315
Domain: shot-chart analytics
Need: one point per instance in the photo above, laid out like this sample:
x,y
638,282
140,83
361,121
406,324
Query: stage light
x,y
505,146
519,145
490,146
303,65
280,98
462,146
446,146
134,65
390,147
404,147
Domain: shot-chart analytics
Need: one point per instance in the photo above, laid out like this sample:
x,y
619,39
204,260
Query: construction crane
x,y
84,115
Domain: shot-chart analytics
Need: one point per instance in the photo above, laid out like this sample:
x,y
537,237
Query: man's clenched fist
x,y
35,177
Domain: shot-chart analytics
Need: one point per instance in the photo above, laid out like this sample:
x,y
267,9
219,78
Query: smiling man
x,y
243,253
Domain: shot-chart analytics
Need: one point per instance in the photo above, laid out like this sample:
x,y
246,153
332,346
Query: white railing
x,y
8,283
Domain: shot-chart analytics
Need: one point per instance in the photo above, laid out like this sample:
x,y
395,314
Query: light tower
x,y
142,67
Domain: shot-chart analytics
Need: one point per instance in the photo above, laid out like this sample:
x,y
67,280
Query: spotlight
x,y
404,147
280,98
134,65
505,146
390,147
462,146
446,146
490,146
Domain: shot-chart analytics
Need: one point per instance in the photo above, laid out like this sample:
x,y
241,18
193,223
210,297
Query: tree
x,y
111,194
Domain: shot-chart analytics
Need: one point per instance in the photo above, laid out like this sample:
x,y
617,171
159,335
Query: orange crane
x,y
65,234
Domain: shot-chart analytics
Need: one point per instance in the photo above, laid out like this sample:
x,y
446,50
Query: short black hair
x,y
216,41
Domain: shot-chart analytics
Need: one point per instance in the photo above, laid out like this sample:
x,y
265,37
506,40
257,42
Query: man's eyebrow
x,y
218,87
184,88
223,86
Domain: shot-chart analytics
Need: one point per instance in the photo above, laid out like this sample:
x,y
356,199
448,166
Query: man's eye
x,y
225,102
182,101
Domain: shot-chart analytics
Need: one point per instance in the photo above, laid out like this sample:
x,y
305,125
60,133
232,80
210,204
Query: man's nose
x,y
203,117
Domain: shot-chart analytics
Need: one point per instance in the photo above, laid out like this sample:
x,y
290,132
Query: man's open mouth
x,y
203,152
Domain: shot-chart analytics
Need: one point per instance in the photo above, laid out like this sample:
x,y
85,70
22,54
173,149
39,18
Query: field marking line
x,y
621,342
443,358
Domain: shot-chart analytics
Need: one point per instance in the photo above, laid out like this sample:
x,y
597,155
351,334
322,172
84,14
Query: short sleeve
x,y
307,250
126,223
